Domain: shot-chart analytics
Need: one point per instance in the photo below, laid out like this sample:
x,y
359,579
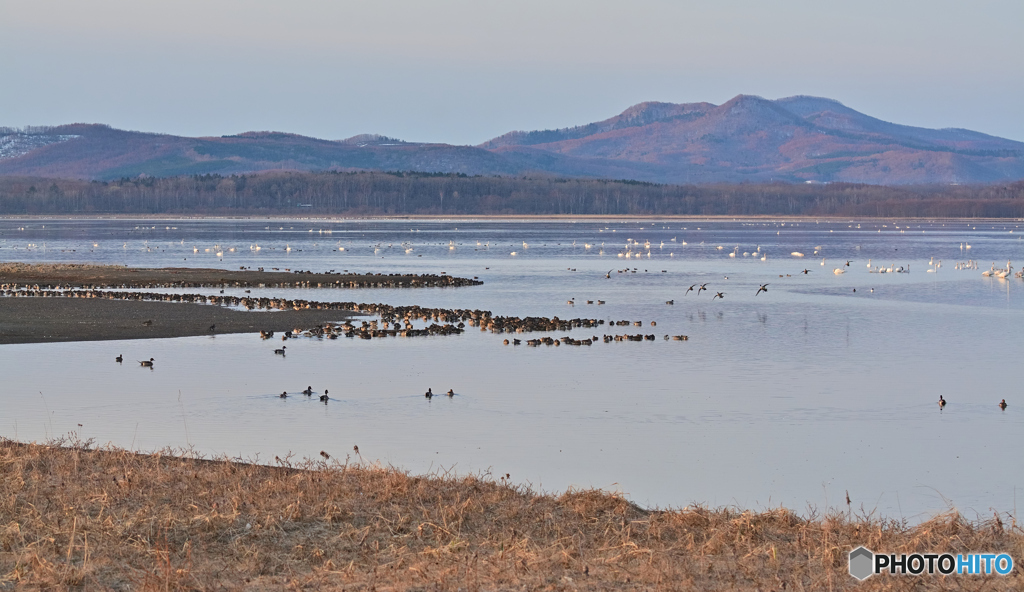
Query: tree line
x,y
382,193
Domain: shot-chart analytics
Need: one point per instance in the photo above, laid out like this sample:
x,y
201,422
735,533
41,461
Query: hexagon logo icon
x,y
861,563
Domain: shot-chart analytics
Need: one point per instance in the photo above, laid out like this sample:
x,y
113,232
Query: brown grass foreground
x,y
73,517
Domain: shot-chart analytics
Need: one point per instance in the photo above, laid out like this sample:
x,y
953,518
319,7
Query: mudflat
x,y
40,320
98,276
27,319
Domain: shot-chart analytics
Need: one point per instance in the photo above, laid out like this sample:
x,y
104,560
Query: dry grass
x,y
73,517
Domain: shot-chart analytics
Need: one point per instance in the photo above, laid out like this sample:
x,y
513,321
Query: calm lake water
x,y
791,397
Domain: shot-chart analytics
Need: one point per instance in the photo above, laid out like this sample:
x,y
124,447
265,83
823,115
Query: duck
x,y
119,358
308,392
1002,404
428,394
148,362
942,402
280,352
324,398
284,395
451,393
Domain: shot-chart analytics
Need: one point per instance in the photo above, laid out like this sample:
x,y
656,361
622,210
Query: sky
x,y
464,71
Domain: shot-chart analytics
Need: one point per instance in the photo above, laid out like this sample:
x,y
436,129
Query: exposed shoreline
x,y
112,276
49,320
44,320
115,519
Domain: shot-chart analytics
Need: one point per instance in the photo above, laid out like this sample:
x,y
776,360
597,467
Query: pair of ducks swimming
x,y
147,363
942,403
430,394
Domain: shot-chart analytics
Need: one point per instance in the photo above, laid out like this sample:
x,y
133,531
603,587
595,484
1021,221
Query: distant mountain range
x,y
748,138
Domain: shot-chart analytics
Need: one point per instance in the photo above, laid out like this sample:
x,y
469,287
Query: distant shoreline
x,y
504,218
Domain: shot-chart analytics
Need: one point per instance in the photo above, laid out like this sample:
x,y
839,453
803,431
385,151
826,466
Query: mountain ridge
x,y
748,138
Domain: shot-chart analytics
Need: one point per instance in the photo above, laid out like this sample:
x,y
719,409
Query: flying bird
x,y
690,290
702,287
763,288
719,295
806,271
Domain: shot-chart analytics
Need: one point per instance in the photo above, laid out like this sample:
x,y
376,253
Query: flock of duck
x,y
328,279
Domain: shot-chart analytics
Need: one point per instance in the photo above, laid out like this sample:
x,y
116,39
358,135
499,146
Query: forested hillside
x,y
374,193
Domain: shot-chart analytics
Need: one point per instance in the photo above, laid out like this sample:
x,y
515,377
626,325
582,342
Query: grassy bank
x,y
111,519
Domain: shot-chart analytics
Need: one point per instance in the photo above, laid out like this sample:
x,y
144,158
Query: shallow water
x,y
790,397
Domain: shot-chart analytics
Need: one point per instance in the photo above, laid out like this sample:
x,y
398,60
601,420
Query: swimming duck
x,y
148,362
280,352
324,397
1002,404
284,395
308,392
428,394
119,358
451,393
942,402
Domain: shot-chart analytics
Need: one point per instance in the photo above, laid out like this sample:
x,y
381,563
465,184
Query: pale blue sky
x,y
462,71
